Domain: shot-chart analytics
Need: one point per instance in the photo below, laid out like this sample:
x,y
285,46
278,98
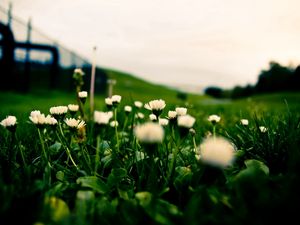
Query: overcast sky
x,y
176,42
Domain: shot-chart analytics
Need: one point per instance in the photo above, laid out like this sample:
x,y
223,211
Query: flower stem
x,y
173,162
43,147
66,146
214,131
22,156
116,130
97,159
194,143
47,173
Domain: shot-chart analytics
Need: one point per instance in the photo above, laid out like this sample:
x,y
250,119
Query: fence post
x,y
7,59
92,87
26,78
111,83
9,14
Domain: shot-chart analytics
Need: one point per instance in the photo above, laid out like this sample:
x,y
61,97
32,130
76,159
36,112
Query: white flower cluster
x,y
149,132
179,111
39,118
115,99
9,121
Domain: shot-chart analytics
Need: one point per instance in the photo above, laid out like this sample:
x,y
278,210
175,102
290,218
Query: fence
x,y
39,61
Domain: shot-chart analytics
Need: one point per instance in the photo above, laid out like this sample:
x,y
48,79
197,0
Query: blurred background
x,y
226,50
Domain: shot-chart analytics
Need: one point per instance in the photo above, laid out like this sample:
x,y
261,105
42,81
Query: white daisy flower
x,y
263,129
181,111
102,117
35,113
172,115
79,71
58,110
116,98
110,114
49,120
186,121
73,123
217,152
82,94
37,117
156,105
9,121
114,123
214,118
163,122
81,124
108,101
149,133
140,115
192,131
244,122
128,108
138,104
73,108
152,117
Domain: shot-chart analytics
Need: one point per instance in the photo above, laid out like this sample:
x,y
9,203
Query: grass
x,y
109,175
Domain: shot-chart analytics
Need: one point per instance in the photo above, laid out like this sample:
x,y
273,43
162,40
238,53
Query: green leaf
x,y
119,172
56,209
116,176
144,198
104,145
161,211
184,176
55,147
60,175
106,160
257,165
85,195
255,173
94,183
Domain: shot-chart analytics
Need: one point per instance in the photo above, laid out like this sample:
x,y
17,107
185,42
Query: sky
x,y
186,43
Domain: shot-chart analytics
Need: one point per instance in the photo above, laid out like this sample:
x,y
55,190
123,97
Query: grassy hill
x,y
129,87
132,88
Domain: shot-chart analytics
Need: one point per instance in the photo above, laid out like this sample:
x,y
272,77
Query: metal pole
x,y
111,83
27,59
92,86
9,14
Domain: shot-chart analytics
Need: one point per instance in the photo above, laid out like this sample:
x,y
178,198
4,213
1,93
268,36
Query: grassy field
x,y
218,172
132,89
21,105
